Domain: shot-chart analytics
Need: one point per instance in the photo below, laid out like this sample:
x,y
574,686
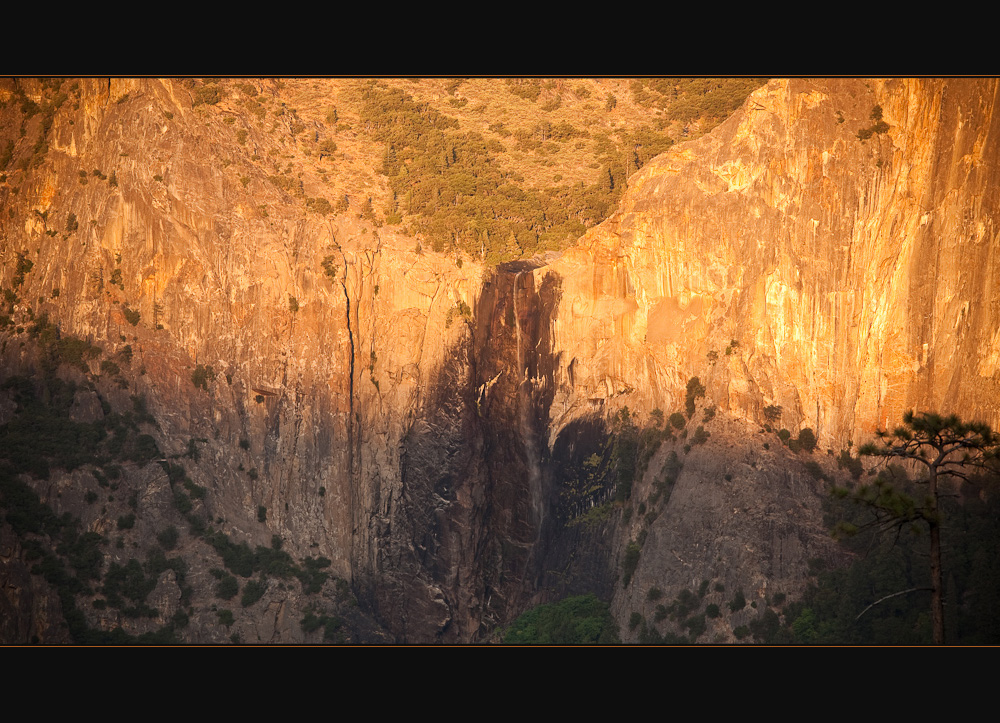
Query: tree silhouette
x,y
940,448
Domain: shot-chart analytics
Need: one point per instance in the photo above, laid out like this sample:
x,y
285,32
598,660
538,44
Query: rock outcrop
x,y
788,261
401,413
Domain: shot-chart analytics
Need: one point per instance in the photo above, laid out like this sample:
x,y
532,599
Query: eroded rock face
x,y
401,412
856,277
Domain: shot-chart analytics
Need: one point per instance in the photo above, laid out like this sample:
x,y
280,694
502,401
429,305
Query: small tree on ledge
x,y
945,447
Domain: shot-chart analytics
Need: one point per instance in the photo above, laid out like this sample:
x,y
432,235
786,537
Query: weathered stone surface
x,y
856,276
408,442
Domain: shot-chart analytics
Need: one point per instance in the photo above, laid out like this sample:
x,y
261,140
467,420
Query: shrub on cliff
x,y
131,315
227,587
330,268
772,414
252,592
630,562
207,95
695,389
202,375
852,464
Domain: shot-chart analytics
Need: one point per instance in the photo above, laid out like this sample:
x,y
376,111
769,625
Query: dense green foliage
x,y
578,620
451,184
691,99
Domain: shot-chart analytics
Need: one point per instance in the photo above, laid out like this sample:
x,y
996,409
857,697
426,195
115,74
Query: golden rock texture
x,y
780,259
858,278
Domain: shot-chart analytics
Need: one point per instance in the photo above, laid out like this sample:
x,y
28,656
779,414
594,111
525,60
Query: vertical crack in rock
x,y
350,396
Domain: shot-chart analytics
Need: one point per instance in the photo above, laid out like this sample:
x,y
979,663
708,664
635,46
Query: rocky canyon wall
x,y
786,261
401,414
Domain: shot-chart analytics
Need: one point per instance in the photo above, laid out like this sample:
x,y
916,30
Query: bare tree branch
x,y
895,594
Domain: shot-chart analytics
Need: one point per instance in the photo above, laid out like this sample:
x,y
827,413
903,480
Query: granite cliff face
x,y
412,419
857,277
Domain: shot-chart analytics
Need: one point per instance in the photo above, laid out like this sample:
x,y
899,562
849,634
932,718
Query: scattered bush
x,y
813,468
207,95
807,440
630,562
527,88
330,268
878,126
696,624
182,502
131,316
695,390
772,414
227,586
319,205
168,538
202,375
311,622
852,464
252,592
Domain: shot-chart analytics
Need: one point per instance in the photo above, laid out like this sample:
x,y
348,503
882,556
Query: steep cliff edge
x,y
830,249
416,420
328,373
787,261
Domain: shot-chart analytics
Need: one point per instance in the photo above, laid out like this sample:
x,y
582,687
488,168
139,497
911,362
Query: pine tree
x,y
941,448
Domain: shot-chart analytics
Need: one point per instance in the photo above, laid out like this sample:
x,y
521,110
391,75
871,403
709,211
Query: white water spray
x,y
525,407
